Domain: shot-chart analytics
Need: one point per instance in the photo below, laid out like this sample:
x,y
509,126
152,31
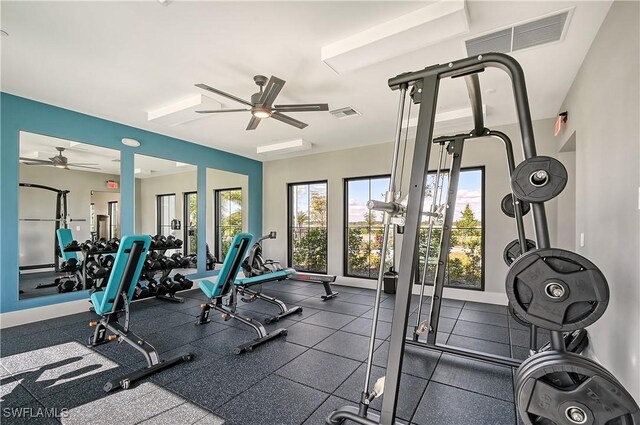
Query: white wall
x,y
36,238
603,106
376,159
218,179
146,205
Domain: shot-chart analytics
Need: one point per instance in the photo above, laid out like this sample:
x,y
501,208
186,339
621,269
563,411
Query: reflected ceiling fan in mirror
x,y
261,105
58,161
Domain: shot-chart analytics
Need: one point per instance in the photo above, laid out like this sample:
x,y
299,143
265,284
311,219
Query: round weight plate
x,y
557,289
566,389
512,250
517,318
507,206
538,179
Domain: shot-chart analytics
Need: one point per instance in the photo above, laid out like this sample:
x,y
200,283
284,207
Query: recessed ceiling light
x,y
130,142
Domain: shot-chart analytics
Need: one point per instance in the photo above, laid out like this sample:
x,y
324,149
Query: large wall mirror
x,y
227,211
166,207
64,184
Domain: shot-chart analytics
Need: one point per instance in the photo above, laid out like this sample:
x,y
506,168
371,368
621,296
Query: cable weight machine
x,y
562,295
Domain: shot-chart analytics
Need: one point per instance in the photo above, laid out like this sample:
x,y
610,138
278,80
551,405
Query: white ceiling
x,y
119,60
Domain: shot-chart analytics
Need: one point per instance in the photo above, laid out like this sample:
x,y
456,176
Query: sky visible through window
x,y
469,192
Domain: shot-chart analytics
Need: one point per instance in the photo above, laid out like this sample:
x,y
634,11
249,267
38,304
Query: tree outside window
x,y
308,226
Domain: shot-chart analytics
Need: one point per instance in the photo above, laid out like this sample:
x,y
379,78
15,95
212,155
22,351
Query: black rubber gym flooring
x,y
299,379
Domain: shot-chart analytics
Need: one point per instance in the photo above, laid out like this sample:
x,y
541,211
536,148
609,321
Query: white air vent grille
x,y
522,36
498,42
344,112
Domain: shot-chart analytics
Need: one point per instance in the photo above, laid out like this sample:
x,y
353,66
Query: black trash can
x,y
390,281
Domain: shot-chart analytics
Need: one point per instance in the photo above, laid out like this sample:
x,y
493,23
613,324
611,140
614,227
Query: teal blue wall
x,y
20,114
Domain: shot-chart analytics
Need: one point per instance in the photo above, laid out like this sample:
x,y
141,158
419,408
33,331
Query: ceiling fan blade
x,y
81,166
34,160
272,90
306,107
288,120
221,93
38,163
253,123
215,111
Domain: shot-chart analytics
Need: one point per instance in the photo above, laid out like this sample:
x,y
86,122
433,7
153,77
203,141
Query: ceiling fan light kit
x,y
261,105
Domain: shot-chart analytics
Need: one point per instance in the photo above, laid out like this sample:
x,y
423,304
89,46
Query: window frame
x,y
481,288
345,227
158,211
217,241
110,208
290,185
185,216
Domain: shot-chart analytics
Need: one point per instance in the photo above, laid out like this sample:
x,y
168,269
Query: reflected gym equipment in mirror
x,y
72,186
166,207
227,211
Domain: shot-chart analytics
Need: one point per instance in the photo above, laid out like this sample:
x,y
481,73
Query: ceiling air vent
x,y
342,113
521,36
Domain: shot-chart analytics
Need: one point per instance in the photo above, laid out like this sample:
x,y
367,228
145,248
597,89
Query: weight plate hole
x,y
539,178
554,290
576,415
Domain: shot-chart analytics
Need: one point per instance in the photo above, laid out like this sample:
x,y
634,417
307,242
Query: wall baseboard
x,y
37,314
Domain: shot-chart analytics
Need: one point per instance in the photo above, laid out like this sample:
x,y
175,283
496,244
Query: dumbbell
x,y
152,264
140,292
171,286
180,260
68,286
177,243
113,244
160,240
171,241
73,245
167,263
95,270
155,289
108,261
69,265
89,246
183,281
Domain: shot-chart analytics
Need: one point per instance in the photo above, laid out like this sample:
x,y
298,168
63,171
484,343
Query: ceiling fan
x,y
261,105
58,161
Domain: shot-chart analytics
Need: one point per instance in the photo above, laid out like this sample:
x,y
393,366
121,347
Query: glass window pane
x,y
308,226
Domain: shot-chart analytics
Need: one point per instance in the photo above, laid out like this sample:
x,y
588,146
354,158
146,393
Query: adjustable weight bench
x,y
243,285
224,287
115,299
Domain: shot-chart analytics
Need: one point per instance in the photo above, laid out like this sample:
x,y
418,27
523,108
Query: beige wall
x,y
36,238
150,187
604,112
376,159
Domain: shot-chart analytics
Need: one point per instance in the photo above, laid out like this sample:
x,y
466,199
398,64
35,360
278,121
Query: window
x,y
307,238
166,212
114,215
92,218
190,223
465,267
228,219
364,229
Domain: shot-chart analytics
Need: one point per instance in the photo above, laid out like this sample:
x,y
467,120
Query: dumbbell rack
x,y
86,253
165,273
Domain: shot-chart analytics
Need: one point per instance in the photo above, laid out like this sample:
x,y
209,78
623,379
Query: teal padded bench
x,y
114,300
224,287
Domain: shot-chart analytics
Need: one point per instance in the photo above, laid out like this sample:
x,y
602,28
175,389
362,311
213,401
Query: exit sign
x,y
112,185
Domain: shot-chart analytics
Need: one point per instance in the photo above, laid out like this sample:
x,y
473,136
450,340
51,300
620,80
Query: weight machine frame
x,y
61,218
426,85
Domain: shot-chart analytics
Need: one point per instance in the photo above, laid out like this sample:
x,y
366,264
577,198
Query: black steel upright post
x,y
456,147
413,218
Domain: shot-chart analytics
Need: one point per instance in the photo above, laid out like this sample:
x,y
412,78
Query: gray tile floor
x,y
299,379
